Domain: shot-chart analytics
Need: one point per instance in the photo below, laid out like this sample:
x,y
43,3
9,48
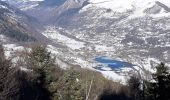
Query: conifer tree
x,y
72,86
4,69
159,89
41,63
135,88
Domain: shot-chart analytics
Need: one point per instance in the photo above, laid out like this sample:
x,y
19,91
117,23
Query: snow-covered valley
x,y
79,51
134,31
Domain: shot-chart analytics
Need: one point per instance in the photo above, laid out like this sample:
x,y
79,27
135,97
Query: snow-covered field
x,y
53,34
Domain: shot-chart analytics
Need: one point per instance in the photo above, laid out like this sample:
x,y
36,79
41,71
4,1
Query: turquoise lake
x,y
112,63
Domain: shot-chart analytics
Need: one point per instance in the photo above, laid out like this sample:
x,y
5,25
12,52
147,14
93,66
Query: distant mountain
x,y
23,4
52,2
57,2
49,11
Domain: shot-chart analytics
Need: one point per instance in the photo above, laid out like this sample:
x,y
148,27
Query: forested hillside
x,y
41,79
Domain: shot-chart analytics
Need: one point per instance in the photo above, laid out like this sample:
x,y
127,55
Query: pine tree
x,y
160,89
4,69
41,63
72,86
135,88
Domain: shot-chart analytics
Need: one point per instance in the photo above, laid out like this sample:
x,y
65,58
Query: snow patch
x,y
3,38
11,48
52,49
114,76
101,48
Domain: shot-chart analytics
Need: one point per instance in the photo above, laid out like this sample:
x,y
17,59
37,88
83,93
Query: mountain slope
x,y
49,11
15,24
